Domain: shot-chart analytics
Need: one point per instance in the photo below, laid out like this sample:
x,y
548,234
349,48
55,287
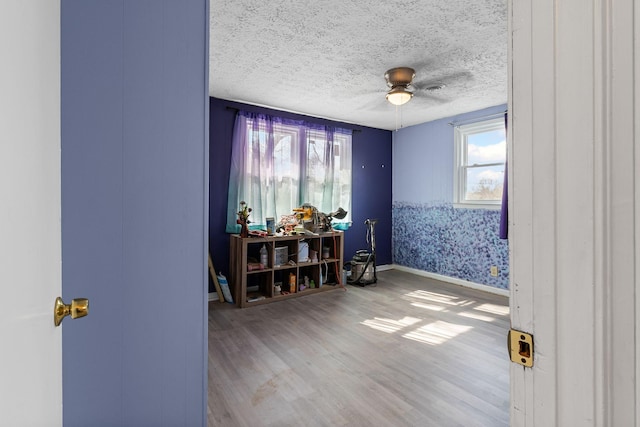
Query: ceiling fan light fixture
x,y
399,95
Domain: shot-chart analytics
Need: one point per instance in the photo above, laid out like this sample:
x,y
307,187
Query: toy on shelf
x,y
315,221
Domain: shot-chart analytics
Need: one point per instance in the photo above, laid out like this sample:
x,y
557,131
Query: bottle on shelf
x,y
264,256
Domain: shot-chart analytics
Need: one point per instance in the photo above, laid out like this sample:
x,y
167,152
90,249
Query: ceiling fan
x,y
400,80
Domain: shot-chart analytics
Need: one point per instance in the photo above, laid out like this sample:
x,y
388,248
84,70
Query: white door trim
x,y
574,224
30,248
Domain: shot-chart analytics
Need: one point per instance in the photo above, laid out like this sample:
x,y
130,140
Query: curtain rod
x,y
343,127
477,119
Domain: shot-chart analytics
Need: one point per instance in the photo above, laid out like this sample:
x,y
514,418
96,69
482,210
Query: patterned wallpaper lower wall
x,y
454,242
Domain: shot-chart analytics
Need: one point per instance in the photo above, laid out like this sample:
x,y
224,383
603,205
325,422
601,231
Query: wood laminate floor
x,y
407,351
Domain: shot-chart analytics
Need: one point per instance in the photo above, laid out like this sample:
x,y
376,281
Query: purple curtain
x,y
504,212
256,171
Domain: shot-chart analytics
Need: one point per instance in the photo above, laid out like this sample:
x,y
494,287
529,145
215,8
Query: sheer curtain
x,y
278,164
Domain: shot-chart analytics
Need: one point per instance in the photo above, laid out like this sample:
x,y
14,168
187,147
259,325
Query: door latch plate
x,y
520,345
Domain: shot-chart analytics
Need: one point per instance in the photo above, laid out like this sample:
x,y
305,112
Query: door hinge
x,y
520,345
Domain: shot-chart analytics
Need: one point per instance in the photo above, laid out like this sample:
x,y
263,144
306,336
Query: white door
x,y
574,110
30,249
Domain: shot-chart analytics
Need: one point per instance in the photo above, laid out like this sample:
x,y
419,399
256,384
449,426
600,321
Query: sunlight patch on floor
x,y
431,307
493,309
389,325
477,316
435,297
437,332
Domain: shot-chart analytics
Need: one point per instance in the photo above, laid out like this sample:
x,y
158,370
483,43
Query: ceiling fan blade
x,y
451,79
430,99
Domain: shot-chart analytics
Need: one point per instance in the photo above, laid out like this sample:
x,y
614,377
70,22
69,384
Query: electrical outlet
x,y
494,270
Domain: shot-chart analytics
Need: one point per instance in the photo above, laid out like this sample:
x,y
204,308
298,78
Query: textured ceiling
x,y
327,58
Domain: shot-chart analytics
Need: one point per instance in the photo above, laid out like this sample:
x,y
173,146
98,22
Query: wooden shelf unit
x,y
257,286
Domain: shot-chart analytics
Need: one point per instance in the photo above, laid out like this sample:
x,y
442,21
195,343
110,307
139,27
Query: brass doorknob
x,y
79,307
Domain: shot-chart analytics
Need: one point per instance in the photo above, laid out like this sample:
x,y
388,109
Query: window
x,y
279,164
480,153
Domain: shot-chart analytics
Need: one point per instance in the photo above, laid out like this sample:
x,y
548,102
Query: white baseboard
x,y
453,280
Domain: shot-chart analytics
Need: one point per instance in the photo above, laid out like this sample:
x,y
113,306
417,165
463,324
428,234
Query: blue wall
x,y
372,173
429,234
134,203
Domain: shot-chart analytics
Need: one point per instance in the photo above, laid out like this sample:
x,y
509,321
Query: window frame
x,y
460,166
